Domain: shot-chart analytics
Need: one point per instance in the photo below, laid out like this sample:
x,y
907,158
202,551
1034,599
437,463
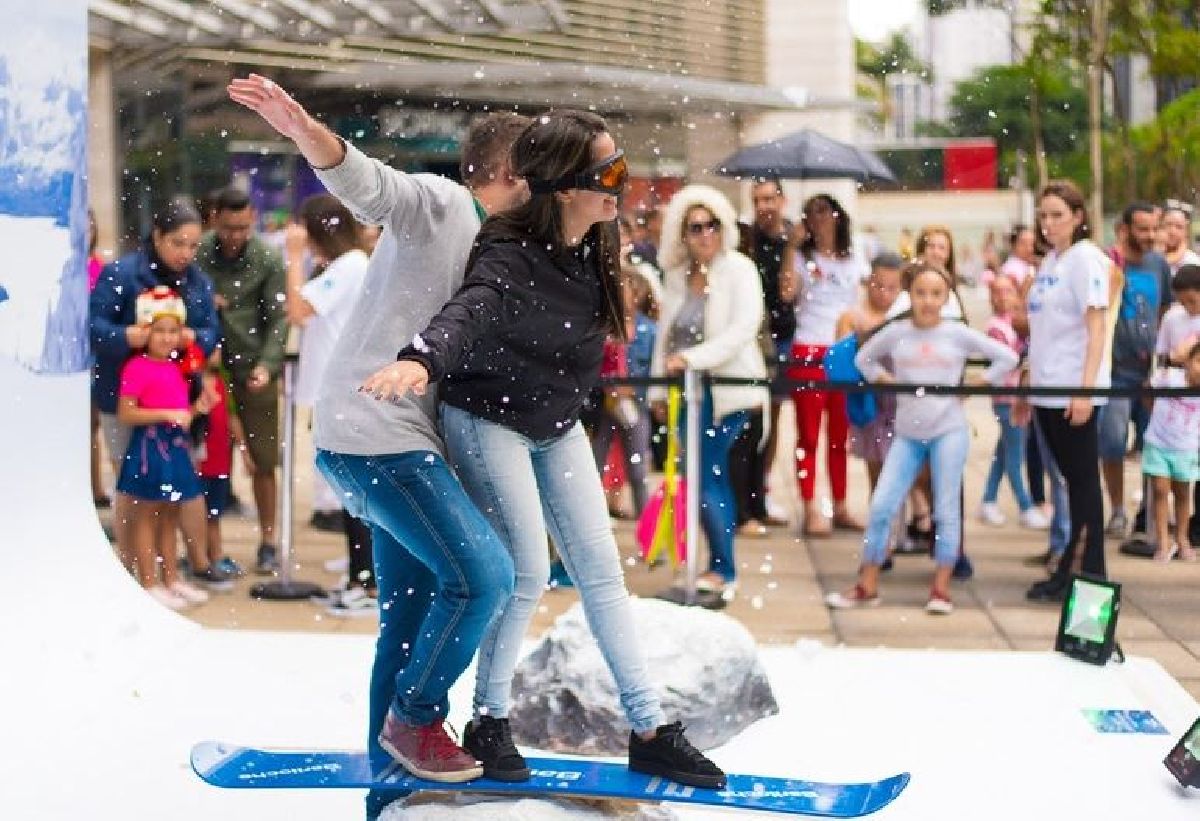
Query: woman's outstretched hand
x,y
396,380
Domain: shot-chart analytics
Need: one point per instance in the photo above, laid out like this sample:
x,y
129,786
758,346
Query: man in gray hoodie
x,y
442,571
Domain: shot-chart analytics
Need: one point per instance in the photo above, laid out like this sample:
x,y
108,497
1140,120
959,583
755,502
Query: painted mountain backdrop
x,y
43,188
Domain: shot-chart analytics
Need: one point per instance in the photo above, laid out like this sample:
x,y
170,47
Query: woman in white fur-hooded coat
x,y
712,309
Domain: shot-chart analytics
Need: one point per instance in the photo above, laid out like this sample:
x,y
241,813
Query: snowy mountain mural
x,y
43,190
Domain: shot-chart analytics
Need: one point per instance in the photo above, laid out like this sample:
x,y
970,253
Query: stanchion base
x,y
286,591
708,599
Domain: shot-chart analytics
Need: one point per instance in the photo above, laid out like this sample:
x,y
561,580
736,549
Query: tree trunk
x,y
1099,36
1039,140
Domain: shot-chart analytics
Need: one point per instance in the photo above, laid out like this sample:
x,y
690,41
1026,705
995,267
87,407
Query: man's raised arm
x,y
320,146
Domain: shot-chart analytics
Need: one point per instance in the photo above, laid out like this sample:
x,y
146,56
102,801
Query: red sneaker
x,y
939,603
857,597
428,752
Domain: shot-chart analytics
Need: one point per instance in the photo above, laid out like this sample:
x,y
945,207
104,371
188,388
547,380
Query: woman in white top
x,y
1068,308
821,273
321,306
712,307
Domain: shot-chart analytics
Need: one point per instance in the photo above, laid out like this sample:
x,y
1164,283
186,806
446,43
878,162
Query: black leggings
x,y
358,549
748,471
1075,450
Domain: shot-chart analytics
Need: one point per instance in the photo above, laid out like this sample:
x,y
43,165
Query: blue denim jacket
x,y
112,307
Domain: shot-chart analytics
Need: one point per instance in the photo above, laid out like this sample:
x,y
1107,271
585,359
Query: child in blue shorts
x,y
1171,458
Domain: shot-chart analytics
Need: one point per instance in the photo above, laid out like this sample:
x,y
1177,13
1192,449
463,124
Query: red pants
x,y
810,406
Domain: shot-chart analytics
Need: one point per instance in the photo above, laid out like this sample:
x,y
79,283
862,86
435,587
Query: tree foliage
x,y
995,103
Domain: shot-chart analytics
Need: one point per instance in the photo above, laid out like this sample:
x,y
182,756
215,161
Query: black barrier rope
x,y
784,387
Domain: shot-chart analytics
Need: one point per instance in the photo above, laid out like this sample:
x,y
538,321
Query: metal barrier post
x,y
284,588
695,401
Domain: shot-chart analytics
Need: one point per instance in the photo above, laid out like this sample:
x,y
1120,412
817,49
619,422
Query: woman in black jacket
x,y
517,351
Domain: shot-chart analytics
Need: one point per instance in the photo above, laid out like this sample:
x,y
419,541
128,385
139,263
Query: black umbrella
x,y
806,155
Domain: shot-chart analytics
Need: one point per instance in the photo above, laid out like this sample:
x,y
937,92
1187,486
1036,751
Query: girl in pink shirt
x,y
1009,458
157,473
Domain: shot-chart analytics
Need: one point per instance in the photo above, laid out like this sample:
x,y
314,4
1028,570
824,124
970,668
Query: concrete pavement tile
x,y
1192,685
1176,658
907,642
905,618
1032,621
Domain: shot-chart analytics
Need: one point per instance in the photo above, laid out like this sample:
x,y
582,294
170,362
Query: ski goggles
x,y
607,176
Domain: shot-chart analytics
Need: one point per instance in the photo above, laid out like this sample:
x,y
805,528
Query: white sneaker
x,y
189,593
352,603
1117,525
990,514
337,565
1034,519
167,598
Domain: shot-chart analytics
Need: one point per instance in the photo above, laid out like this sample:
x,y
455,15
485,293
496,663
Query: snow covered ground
x,y
103,693
38,246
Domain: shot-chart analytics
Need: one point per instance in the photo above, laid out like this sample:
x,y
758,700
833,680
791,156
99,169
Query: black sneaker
x,y
214,578
329,521
963,569
489,739
267,561
1050,590
670,755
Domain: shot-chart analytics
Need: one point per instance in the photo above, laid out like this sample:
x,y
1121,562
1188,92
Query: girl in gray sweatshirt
x,y
925,350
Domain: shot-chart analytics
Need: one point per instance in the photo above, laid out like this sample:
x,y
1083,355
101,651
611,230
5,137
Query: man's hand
x,y
266,99
320,146
396,380
137,335
247,459
658,409
259,378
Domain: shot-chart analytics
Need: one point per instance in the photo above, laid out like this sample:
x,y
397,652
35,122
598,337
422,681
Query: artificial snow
x,y
446,807
703,665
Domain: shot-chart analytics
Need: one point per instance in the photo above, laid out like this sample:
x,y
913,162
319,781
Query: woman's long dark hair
x,y
330,226
841,230
554,145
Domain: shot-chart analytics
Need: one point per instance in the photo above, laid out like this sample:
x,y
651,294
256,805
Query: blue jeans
x,y
718,504
1008,460
1060,521
947,455
525,487
442,573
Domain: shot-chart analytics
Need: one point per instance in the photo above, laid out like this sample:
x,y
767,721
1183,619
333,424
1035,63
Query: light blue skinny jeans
x,y
1009,460
524,488
947,455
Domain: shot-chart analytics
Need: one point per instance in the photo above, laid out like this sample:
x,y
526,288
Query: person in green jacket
x,y
250,284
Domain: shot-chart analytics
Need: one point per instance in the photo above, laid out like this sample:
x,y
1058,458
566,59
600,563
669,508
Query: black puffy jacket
x,y
521,342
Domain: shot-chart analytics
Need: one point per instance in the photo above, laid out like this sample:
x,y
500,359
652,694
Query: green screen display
x,y
1191,742
1089,612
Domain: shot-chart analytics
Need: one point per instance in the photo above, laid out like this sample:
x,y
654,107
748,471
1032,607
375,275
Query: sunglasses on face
x,y
697,228
607,176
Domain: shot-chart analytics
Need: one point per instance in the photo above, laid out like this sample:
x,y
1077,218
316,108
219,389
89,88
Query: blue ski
x,y
227,765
